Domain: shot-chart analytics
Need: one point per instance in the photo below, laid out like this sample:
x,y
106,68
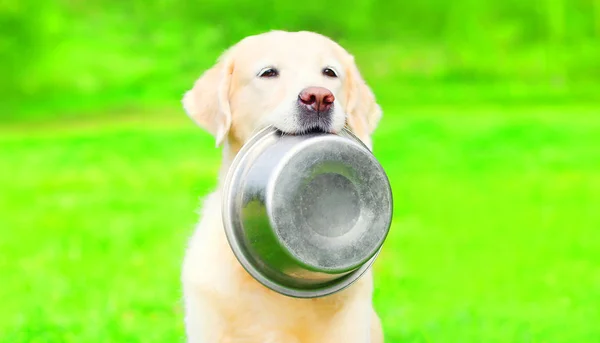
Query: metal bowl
x,y
306,215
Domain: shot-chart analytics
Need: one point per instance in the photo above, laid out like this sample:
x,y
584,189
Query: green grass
x,y
495,236
496,229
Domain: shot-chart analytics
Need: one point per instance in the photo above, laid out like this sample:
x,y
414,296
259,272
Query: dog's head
x,y
295,81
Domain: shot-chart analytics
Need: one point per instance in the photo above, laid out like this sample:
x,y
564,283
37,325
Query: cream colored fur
x,y
223,303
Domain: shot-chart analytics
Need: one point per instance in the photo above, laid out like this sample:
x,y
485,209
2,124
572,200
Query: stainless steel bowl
x,y
306,215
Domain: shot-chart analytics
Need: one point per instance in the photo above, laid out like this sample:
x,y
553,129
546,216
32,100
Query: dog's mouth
x,y
308,131
315,130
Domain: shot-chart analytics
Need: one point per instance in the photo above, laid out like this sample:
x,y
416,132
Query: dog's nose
x,y
318,99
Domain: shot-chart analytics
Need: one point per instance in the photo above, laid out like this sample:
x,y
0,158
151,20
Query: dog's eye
x,y
268,73
329,72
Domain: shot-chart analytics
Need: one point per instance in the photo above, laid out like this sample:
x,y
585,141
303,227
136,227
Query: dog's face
x,y
295,81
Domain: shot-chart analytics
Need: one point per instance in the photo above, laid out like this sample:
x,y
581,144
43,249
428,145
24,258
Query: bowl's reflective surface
x,y
306,215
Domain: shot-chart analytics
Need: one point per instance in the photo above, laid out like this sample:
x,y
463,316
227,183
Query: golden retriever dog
x,y
297,82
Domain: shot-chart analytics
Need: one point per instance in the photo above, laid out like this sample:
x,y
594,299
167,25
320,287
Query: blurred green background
x,y
490,136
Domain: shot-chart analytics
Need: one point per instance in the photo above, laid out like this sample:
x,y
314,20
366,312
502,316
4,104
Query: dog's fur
x,y
223,303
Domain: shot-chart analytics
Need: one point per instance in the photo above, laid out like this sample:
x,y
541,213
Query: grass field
x,y
495,236
491,138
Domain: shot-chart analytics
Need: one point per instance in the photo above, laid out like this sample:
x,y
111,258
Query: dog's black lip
x,y
315,130
307,131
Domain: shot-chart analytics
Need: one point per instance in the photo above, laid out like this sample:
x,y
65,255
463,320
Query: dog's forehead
x,y
288,50
300,40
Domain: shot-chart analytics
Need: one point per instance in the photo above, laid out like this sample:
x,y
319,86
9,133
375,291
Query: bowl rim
x,y
228,197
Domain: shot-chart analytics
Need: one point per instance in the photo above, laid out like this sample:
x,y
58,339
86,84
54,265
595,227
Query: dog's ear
x,y
207,103
362,111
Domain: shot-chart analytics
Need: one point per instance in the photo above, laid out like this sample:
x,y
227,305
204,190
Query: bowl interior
x,y
329,203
